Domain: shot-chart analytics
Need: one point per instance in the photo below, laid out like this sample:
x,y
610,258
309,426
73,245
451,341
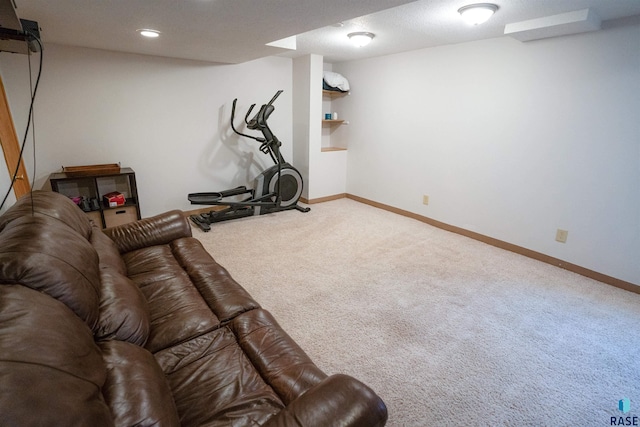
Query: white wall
x,y
18,92
324,172
327,176
5,182
511,140
167,119
301,118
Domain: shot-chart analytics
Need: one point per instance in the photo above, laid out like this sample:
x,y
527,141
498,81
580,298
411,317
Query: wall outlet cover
x,y
561,236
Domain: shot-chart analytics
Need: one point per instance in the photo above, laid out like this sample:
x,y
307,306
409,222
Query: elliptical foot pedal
x,y
200,222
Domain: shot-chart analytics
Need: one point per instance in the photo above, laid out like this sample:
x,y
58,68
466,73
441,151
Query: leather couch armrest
x,y
338,400
157,230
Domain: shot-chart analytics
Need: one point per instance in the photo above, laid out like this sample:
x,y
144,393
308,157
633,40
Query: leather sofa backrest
x,y
72,324
52,205
58,251
50,363
42,253
136,388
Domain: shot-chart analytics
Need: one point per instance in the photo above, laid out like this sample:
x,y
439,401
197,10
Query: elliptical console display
x,y
277,188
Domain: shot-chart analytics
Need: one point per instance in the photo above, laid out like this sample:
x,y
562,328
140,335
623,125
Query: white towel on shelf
x,y
336,80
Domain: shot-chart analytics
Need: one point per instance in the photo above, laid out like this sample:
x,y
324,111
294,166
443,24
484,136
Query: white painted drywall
x,y
167,119
5,182
18,96
330,173
511,140
326,172
327,175
5,191
301,118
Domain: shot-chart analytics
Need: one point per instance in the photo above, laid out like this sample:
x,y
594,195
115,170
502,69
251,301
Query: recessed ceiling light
x,y
147,32
361,38
475,14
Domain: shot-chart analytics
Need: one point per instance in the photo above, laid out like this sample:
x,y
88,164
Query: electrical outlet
x,y
561,236
425,200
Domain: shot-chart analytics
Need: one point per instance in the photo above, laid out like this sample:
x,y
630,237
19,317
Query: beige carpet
x,y
447,330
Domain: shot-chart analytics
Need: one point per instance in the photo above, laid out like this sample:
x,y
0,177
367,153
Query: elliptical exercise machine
x,y
276,189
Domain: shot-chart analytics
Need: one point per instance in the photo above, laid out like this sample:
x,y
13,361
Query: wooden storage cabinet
x,y
94,187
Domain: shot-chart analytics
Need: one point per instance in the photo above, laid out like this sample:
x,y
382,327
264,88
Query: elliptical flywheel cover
x,y
290,187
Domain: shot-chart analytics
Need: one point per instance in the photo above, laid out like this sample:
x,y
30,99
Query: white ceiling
x,y
232,31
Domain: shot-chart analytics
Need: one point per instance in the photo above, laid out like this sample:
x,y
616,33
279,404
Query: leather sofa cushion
x,y
222,293
136,390
49,365
275,355
245,372
42,253
107,251
124,314
176,308
214,383
51,205
336,401
188,293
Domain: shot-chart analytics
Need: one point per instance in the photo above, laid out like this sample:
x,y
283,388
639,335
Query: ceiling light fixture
x,y
361,38
146,32
478,13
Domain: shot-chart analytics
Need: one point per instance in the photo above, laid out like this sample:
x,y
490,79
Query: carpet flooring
x,y
447,330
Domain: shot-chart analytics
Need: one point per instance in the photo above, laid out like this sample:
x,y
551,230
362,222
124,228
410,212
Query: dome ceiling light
x,y
361,39
478,13
147,32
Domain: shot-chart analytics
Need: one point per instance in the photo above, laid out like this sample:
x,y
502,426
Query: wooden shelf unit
x,y
333,122
332,95
94,187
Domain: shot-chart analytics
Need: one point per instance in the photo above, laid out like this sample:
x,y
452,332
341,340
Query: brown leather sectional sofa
x,y
139,326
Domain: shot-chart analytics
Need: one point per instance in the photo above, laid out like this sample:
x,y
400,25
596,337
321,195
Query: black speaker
x,y
31,29
14,41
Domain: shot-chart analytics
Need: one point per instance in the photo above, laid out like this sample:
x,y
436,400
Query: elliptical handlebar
x,y
275,96
269,142
246,116
233,113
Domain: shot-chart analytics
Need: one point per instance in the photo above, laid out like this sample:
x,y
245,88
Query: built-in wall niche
x,y
331,124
